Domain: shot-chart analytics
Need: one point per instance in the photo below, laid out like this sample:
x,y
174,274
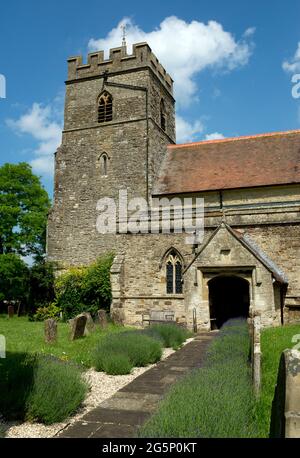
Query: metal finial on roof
x,y
123,27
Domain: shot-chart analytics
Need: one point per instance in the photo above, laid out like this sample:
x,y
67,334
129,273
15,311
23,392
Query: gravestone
x,y
102,319
78,326
285,417
90,325
10,311
50,330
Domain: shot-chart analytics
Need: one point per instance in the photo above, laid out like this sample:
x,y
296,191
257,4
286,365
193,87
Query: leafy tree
x,y
85,289
41,285
24,205
14,275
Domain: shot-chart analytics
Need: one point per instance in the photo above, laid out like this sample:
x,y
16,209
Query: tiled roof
x,y
240,162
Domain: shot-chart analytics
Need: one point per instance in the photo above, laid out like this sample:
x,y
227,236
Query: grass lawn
x,y
25,336
273,342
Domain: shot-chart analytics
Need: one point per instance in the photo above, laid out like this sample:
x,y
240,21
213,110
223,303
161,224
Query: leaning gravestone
x,y
78,326
90,325
102,319
285,417
50,330
10,311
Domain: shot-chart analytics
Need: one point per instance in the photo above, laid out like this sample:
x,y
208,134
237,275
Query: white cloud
x,y
184,49
43,123
187,132
214,136
293,66
249,32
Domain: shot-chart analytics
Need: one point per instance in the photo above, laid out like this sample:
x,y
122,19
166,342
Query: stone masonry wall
x,y
133,142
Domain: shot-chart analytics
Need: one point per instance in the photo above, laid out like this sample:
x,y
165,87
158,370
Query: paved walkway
x,y
123,413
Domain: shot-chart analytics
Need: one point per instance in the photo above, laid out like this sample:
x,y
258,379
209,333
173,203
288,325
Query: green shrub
x,y
116,363
50,311
171,335
16,382
96,288
215,401
138,348
85,289
2,429
41,286
58,390
39,388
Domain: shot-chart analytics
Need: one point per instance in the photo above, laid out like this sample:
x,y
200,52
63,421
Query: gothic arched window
x,y
162,115
105,107
173,273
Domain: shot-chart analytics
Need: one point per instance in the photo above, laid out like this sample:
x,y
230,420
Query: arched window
x,y
162,115
103,161
105,107
173,273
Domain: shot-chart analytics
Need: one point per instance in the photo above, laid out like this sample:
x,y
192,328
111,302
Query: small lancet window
x,y
103,164
105,107
173,274
162,115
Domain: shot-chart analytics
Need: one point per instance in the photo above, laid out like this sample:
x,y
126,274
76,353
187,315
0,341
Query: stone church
x,y
119,134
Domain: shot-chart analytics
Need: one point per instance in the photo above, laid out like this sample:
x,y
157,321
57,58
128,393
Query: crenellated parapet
x,y
141,57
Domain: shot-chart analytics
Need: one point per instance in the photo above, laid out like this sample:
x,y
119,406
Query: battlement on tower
x,y
119,60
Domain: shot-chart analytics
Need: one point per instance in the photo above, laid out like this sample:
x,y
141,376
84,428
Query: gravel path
x,y
102,386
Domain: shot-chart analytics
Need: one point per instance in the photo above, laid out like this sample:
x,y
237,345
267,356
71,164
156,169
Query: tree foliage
x,y
85,289
14,277
41,285
24,205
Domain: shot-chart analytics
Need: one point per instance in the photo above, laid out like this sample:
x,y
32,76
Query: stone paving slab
x,y
120,417
122,414
132,401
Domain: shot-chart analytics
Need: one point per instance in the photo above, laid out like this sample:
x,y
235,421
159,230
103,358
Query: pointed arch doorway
x,y
229,297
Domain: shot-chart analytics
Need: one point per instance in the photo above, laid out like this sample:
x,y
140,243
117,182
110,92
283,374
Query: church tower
x,y
119,118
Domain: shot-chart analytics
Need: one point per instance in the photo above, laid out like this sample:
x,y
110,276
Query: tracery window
x,y
105,107
173,274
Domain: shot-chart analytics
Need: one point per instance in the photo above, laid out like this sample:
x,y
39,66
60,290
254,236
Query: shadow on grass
x,y
16,381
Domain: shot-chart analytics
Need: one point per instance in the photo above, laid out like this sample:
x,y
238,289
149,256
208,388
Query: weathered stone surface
x,y
50,330
90,325
10,311
102,319
135,145
77,326
255,336
285,421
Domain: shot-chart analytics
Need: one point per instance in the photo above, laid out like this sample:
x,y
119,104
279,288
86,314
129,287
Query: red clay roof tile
x,y
240,162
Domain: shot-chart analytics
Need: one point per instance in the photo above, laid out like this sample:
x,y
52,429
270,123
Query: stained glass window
x,y
170,274
178,278
173,274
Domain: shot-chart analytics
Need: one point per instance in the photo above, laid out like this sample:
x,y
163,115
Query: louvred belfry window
x,y
173,274
105,107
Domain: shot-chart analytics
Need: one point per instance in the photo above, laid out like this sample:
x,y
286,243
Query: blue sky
x,y
232,75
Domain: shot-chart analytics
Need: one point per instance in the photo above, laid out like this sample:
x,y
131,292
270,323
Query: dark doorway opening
x,y
228,298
